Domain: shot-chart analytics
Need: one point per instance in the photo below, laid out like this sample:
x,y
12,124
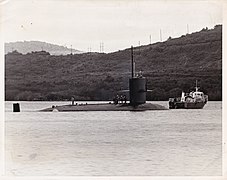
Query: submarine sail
x,y
137,86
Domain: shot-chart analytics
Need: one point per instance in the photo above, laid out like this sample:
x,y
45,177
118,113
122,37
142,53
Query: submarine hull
x,y
106,107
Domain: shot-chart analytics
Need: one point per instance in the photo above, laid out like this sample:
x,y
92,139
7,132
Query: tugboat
x,y
193,100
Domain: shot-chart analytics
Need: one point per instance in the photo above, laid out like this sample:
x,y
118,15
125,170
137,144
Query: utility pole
x,y
187,29
102,46
150,39
89,49
160,35
71,50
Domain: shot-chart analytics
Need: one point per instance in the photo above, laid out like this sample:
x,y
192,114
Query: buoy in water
x,y
16,107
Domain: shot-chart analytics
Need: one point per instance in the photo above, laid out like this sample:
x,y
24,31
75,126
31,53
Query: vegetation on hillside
x,y
170,67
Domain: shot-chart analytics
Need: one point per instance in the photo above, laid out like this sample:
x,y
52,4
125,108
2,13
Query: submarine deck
x,y
106,107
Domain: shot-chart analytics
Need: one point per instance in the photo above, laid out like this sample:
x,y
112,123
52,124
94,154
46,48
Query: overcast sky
x,y
119,24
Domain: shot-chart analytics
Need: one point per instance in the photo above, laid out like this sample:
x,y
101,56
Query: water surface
x,y
151,143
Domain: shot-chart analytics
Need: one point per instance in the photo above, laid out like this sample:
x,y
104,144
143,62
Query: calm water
x,y
156,143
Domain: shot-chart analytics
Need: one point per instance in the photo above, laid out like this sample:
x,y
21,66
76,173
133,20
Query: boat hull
x,y
186,105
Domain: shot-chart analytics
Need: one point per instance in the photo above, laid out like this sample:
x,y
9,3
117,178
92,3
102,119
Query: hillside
x,y
25,47
170,67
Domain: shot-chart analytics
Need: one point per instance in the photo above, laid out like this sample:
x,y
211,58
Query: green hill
x,y
170,67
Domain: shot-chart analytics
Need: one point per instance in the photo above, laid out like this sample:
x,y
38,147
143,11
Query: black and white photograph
x,y
123,88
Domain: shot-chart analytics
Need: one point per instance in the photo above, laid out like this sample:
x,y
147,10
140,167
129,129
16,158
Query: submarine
x,y
137,98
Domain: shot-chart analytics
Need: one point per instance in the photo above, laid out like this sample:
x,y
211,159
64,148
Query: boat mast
x,y
196,88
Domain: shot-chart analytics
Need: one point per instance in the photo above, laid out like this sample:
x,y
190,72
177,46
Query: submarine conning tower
x,y
137,86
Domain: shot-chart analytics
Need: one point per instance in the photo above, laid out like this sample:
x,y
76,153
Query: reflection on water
x,y
174,142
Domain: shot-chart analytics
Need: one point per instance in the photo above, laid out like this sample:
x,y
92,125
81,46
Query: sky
x,y
117,24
